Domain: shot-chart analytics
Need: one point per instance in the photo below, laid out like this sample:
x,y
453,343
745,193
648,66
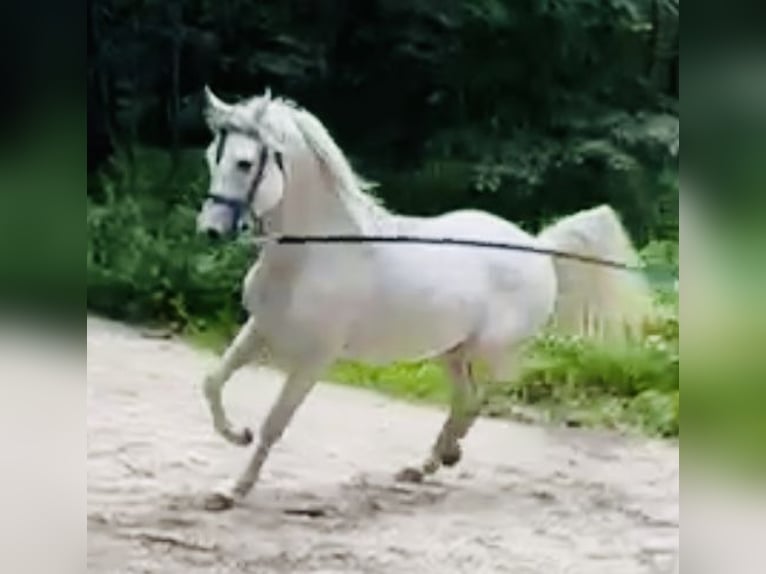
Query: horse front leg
x,y
245,346
294,391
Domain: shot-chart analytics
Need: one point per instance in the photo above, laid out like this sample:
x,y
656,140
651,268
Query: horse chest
x,y
305,312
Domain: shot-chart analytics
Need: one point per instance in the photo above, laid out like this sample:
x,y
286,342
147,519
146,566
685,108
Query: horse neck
x,y
312,207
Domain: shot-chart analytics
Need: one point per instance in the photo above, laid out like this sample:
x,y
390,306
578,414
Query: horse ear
x,y
262,106
215,108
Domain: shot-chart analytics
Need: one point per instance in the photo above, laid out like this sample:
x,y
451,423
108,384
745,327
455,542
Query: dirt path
x,y
523,500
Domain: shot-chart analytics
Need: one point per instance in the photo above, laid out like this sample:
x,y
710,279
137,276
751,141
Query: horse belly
x,y
400,335
418,310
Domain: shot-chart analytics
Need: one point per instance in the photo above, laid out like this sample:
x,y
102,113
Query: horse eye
x,y
244,165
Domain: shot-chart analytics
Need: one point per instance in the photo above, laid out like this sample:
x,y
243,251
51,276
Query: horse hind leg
x,y
464,409
499,350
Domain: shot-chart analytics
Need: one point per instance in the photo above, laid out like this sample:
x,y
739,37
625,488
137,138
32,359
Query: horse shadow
x,y
336,505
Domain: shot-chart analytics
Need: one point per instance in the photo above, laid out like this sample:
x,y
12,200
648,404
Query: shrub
x,y
141,267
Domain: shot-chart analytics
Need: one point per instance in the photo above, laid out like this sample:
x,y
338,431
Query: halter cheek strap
x,y
238,206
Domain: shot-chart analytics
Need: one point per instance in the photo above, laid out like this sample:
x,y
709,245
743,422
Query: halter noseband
x,y
240,206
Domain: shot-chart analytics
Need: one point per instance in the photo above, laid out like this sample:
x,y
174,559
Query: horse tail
x,y
596,300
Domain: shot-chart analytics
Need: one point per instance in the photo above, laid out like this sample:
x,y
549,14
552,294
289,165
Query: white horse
x,y
313,303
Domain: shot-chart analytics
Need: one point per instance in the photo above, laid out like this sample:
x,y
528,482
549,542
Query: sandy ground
x,y
524,499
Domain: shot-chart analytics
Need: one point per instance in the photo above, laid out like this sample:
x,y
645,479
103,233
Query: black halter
x,y
240,206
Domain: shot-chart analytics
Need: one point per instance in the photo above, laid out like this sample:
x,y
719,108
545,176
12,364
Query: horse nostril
x,y
213,234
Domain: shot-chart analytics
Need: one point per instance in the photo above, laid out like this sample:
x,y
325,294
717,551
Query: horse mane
x,y
275,124
353,189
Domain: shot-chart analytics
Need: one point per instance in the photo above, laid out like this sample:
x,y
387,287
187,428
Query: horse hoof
x,y
451,457
410,474
217,502
242,438
245,437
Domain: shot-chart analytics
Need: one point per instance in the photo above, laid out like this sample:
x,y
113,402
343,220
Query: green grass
x,y
420,381
628,387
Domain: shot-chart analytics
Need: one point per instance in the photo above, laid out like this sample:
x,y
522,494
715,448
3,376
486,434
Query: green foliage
x,y
620,370
423,69
422,381
536,108
618,385
661,252
145,261
661,260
